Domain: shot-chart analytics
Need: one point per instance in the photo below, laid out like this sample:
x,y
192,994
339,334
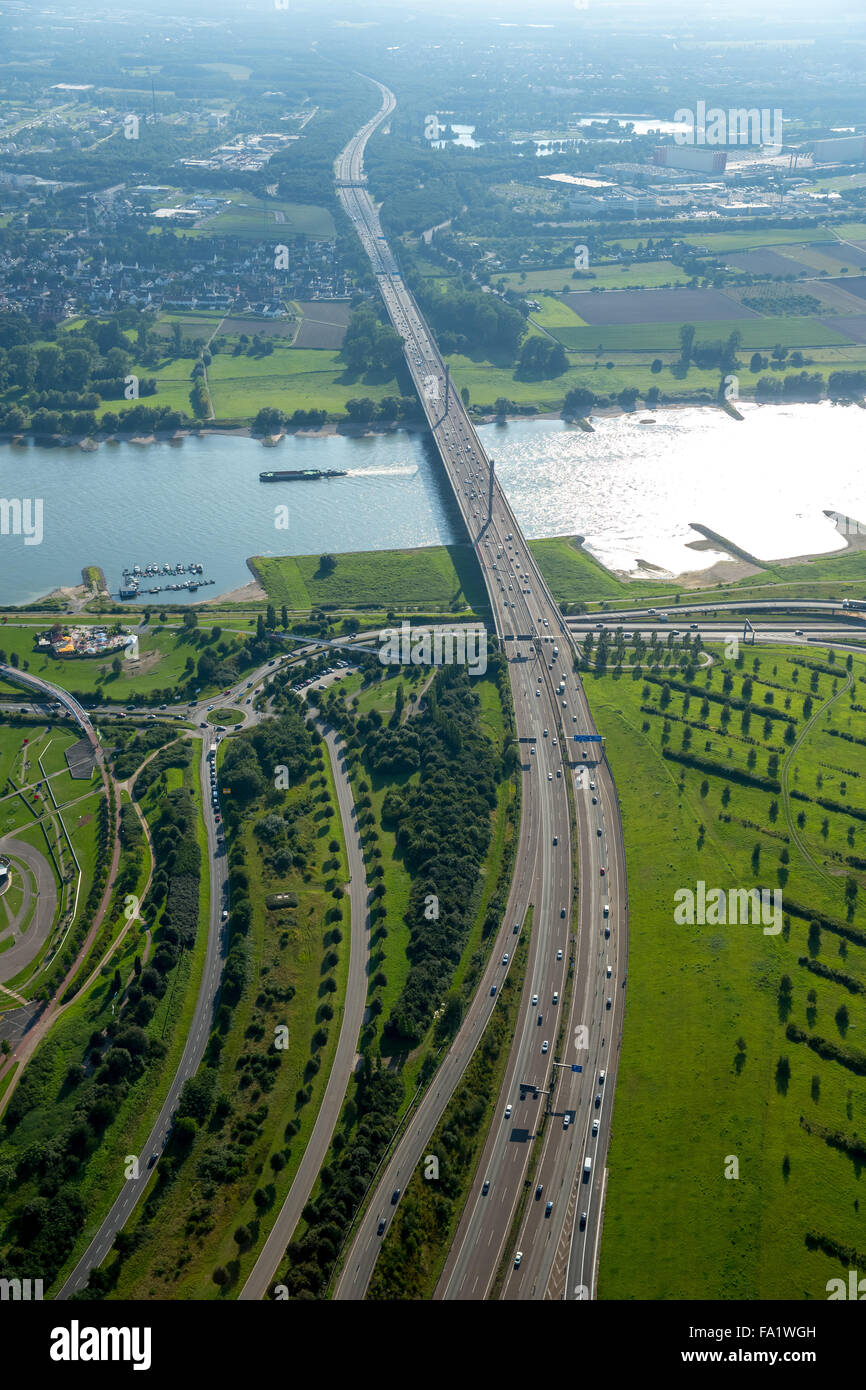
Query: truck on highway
x,y
587,1169
555,652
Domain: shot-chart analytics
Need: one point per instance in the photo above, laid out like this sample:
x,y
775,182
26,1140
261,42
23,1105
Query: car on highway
x,y
544,1045
381,1227
505,959
598,830
224,915
562,912
607,1005
606,910
598,1099
583,1220
538,1191
556,996
535,999
540,1019
395,1196
550,776
601,1077
559,954
798,632
517,1258
566,1120
548,1209
486,1188
508,1110
609,971
595,801
556,839
152,1160
595,1127
601,871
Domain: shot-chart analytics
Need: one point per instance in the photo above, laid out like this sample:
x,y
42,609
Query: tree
x,y
327,564
687,338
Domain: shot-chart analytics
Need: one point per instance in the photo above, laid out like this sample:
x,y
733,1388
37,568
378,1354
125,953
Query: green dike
x,y
438,576
419,1238
186,1230
687,1096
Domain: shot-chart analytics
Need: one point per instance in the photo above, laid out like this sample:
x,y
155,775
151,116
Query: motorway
x,y
550,711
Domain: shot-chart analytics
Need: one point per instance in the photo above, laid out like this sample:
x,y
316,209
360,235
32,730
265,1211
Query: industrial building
x,y
688,157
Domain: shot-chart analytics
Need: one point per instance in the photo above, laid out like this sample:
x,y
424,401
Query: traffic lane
x,y
538,1242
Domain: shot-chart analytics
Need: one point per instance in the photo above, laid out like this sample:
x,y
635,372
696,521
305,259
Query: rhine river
x,y
630,489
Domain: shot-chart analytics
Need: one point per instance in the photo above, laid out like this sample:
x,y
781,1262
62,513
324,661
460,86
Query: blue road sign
x,y
587,738
576,1068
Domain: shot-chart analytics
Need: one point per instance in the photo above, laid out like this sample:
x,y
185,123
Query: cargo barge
x,y
304,475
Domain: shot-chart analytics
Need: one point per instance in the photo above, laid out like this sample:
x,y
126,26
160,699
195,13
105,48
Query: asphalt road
x,y
547,696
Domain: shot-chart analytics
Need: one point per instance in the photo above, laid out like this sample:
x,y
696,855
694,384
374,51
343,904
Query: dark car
x,y
152,1160
380,1227
395,1196
583,1220
539,1190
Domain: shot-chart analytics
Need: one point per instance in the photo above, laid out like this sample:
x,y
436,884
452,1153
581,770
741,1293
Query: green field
x,y
645,274
444,577
688,1095
756,333
291,379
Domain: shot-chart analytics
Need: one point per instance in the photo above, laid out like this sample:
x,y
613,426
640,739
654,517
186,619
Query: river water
x,y
631,489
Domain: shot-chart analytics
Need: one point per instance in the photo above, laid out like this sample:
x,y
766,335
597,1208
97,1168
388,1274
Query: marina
x,y
131,585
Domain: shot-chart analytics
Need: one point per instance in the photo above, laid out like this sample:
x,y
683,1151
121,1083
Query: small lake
x,y
631,489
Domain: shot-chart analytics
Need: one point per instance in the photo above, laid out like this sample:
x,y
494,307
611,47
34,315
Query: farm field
x,y
737,801
323,323
656,307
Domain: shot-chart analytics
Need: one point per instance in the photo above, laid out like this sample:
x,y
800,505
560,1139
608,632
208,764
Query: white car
x,y
535,999
609,971
544,1045
507,1111
595,1127
559,955
517,1258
